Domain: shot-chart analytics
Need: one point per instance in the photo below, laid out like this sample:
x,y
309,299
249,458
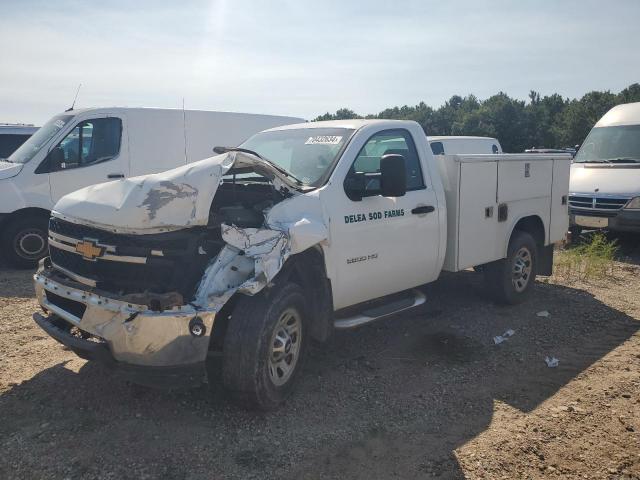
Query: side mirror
x,y
393,175
355,187
52,162
56,159
391,181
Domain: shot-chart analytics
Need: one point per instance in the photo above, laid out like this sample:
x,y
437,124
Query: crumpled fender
x,y
254,256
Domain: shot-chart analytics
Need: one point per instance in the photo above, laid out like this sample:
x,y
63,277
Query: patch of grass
x,y
593,259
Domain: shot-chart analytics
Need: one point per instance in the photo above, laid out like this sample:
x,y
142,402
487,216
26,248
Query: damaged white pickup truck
x,y
241,259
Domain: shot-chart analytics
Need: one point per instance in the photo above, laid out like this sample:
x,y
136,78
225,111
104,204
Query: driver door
x,y
382,245
92,152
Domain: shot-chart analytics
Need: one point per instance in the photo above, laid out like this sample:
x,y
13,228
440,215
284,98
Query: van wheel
x,y
509,280
264,346
574,233
24,241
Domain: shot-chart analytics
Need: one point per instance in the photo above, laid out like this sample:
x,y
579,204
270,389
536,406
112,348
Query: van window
x,y
9,143
390,142
90,142
437,148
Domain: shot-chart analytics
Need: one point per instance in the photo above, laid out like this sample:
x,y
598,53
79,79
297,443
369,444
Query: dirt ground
x,y
420,395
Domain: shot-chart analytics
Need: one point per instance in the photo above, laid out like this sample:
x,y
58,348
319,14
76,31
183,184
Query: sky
x,y
304,58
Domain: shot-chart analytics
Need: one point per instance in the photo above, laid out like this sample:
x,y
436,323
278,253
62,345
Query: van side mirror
x,y
52,162
56,159
393,175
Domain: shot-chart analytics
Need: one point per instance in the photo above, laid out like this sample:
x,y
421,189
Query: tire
x,y
257,369
24,241
575,231
509,280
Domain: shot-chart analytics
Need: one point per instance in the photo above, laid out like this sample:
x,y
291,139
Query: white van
x,y
605,175
463,145
79,148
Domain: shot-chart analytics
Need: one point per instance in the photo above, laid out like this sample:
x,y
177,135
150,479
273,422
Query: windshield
x,y
45,133
307,153
611,144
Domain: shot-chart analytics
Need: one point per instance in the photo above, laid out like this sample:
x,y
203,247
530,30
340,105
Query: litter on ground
x,y
552,362
501,338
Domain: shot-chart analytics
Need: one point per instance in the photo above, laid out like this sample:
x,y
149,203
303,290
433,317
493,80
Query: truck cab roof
x,y
353,124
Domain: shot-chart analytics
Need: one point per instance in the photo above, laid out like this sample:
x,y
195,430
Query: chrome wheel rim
x,y
30,244
285,347
522,267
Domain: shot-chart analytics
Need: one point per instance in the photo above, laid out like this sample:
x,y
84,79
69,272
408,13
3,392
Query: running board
x,y
376,313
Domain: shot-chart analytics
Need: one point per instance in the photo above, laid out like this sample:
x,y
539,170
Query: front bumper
x,y
147,347
622,221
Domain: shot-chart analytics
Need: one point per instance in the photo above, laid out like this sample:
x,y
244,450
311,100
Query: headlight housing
x,y
633,204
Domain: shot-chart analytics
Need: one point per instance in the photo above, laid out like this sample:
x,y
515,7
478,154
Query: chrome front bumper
x,y
133,334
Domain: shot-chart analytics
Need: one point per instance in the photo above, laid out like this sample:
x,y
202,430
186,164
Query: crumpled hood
x,y
8,169
614,179
166,201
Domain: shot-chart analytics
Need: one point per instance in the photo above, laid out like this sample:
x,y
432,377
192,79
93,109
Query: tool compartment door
x,y
477,227
524,179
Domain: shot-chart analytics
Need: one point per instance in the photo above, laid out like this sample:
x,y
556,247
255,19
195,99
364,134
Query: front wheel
x,y
264,346
24,241
509,280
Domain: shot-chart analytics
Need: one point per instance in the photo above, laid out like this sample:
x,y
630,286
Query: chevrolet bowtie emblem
x,y
89,249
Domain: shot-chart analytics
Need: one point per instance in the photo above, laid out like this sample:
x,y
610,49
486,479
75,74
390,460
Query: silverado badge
x,y
89,249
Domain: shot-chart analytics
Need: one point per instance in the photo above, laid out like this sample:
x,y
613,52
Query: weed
x,y
591,260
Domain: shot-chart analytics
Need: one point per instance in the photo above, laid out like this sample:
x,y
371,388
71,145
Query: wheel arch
x,y
534,226
28,211
306,269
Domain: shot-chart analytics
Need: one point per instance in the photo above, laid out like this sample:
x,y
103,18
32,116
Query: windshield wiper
x,y
251,152
622,160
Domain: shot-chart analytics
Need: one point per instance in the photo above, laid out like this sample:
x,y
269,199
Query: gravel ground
x,y
420,395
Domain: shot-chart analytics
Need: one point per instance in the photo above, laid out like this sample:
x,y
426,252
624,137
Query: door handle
x,y
423,209
115,175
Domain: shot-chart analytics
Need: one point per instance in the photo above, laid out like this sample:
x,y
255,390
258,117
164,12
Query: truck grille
x,y
596,205
158,263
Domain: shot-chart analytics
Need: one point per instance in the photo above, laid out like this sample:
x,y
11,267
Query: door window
x,y
90,142
385,143
437,148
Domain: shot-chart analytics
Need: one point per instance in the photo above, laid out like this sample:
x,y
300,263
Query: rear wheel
x,y
24,241
509,280
264,346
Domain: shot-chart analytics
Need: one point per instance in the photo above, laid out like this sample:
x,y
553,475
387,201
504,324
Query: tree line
x,y
543,122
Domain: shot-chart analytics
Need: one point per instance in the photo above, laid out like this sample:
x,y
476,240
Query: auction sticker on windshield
x,y
324,140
